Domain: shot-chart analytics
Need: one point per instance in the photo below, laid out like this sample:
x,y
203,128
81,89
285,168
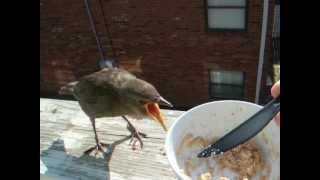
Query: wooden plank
x,y
65,132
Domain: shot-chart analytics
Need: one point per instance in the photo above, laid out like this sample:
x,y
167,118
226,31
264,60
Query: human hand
x,y
275,92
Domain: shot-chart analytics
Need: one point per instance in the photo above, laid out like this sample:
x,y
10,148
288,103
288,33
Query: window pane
x,y
226,2
226,18
227,77
227,92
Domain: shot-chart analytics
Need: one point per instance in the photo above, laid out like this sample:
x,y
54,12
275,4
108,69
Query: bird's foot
x,y
134,130
99,148
135,138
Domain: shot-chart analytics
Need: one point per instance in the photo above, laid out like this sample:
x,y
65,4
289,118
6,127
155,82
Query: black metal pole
x,y
94,30
107,28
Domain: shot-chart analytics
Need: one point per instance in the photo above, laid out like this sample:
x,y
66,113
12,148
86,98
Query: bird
x,y
112,92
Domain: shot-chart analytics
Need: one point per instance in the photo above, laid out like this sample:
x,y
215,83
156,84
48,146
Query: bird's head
x,y
144,99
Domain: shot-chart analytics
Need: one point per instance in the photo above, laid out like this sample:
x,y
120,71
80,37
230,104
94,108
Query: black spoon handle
x,y
244,131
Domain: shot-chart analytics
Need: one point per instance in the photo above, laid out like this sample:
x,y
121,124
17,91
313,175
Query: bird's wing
x,y
114,78
106,83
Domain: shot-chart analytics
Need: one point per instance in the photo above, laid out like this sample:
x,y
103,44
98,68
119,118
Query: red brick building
x,y
192,51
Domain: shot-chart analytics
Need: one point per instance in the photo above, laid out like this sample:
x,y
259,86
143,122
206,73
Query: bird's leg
x,y
99,145
135,134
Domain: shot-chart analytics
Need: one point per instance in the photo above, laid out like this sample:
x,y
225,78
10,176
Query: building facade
x,y
192,51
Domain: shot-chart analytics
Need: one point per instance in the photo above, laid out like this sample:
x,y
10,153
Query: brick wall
x,y
168,37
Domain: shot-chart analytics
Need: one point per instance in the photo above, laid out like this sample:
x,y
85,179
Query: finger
x,y
275,90
277,119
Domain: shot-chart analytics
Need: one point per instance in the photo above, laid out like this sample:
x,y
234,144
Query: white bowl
x,y
214,119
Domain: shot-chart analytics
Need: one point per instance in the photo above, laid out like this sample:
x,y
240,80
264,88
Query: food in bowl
x,y
205,176
245,161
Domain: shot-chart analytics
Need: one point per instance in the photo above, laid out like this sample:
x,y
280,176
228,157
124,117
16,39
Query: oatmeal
x,y
245,161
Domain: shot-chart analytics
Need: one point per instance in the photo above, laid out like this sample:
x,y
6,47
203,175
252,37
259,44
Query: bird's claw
x,y
142,134
136,137
134,130
100,147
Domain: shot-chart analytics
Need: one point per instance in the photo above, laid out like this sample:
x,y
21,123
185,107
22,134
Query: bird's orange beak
x,y
153,111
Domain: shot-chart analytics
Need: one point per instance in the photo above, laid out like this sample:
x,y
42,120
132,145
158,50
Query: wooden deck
x,y
66,132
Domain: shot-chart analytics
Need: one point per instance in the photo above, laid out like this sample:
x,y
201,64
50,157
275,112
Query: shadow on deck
x,y
76,167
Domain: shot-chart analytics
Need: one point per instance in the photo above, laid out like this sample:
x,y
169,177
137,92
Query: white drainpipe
x,y
262,48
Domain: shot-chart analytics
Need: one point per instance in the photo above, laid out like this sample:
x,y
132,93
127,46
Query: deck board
x,y
65,132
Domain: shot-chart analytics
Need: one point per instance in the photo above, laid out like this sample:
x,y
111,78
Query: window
x,y
226,14
226,85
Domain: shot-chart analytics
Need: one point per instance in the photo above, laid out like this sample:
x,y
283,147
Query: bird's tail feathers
x,y
68,89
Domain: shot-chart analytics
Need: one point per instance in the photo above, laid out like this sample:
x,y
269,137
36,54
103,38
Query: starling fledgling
x,y
115,92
